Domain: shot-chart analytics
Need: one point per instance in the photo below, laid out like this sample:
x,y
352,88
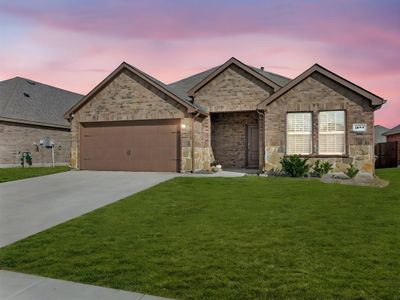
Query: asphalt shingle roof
x,y
394,130
30,101
184,85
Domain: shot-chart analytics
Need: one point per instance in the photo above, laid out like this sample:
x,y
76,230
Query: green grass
x,y
231,238
11,174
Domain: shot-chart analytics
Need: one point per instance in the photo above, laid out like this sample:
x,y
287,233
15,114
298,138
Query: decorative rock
x,y
335,176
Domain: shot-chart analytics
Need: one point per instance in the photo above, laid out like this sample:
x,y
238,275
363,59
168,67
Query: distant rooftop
x,y
29,101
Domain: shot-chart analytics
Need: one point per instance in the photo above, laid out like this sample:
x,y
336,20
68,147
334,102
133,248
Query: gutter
x,y
26,122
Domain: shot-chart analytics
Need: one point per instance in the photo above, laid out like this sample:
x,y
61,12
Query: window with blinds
x,y
331,133
299,133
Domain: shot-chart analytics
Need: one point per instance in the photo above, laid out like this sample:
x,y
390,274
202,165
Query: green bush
x,y
295,166
352,171
320,169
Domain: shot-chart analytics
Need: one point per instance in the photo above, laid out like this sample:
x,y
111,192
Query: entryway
x,y
235,139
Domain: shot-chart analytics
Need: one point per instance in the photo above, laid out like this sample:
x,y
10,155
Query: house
x,y
234,115
378,134
30,112
393,135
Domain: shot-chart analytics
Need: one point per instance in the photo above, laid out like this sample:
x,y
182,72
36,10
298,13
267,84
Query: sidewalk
x,y
18,286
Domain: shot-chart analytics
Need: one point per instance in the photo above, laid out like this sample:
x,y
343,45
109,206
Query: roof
x,y
394,130
262,76
378,134
375,100
30,102
175,94
185,84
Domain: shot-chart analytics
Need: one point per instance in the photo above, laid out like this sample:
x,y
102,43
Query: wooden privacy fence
x,y
387,155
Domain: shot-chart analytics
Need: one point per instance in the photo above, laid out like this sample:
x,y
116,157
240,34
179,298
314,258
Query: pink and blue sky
x,y
74,44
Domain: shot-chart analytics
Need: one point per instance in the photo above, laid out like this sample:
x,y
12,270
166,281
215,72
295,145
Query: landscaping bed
x,y
230,238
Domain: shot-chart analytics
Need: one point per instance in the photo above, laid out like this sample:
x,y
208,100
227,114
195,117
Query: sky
x,y
74,44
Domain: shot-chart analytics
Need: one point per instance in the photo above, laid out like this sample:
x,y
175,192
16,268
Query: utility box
x,y
47,142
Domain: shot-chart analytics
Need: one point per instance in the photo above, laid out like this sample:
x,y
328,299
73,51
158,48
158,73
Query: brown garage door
x,y
130,146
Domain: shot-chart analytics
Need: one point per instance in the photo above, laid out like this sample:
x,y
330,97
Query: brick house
x,y
234,115
29,112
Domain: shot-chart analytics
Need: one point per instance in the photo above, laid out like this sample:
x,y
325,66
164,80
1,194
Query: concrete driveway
x,y
32,205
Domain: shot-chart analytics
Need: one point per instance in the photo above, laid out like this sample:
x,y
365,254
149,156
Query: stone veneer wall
x,y
128,97
233,90
16,138
228,137
314,94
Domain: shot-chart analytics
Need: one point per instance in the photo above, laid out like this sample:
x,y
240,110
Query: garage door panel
x,y
130,146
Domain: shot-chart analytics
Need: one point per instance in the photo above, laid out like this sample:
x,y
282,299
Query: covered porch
x,y
236,139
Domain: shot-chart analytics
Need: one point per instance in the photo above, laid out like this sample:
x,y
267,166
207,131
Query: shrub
x,y
320,169
352,171
295,166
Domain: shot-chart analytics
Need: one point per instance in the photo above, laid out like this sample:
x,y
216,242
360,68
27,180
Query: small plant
x,y
352,171
320,169
28,158
295,166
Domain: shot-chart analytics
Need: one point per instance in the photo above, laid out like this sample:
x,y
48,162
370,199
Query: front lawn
x,y
231,238
11,174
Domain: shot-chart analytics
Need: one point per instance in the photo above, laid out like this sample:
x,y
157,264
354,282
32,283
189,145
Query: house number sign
x,y
358,127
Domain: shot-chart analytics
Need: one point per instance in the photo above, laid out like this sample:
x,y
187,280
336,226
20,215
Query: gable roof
x,y
184,85
30,102
376,101
233,61
279,79
394,130
171,92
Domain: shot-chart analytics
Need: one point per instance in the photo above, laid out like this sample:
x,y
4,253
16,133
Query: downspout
x,y
192,128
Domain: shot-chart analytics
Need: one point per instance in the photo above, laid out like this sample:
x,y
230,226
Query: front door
x,y
252,140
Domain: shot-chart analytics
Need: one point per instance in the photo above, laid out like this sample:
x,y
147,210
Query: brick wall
x,y
228,137
16,138
128,97
314,94
233,90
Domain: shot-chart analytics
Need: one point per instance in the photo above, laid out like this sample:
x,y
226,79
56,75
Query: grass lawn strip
x,y
11,174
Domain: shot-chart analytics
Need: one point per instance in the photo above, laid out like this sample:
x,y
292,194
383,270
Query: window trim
x,y
312,132
345,153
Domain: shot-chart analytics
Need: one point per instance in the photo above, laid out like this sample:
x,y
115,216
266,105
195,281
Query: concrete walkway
x,y
17,286
32,205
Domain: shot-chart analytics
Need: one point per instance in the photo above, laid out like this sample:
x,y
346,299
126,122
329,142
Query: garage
x,y
130,146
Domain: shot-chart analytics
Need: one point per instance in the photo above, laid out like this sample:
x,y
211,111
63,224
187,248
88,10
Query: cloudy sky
x,y
74,44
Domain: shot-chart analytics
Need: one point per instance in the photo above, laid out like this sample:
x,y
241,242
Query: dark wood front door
x,y
130,146
252,150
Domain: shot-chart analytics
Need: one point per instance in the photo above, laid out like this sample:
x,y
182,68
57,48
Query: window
x,y
299,133
331,133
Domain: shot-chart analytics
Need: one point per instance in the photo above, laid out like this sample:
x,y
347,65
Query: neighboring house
x,y
378,134
393,135
29,112
234,115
